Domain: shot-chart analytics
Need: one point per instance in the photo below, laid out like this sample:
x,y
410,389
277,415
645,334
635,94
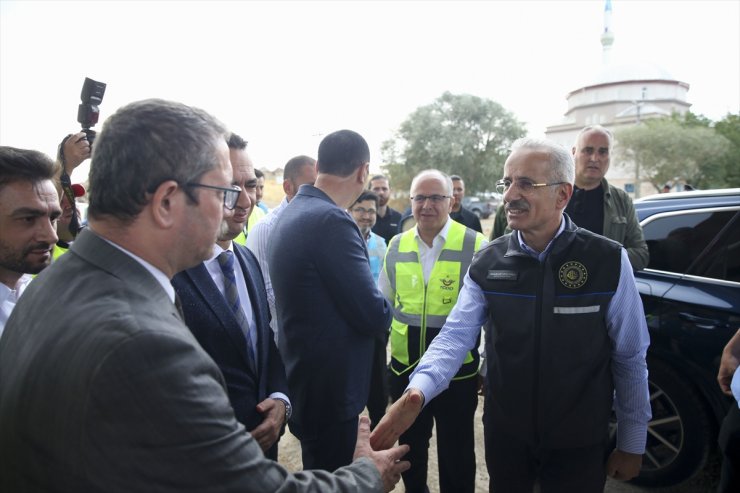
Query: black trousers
x,y
377,401
514,466
729,444
332,447
453,411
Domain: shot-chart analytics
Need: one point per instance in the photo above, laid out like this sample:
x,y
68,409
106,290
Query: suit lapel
x,y
213,298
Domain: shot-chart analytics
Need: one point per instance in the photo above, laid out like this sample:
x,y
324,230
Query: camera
x,y
88,111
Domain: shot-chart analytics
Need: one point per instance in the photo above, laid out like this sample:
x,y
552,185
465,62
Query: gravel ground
x,y
705,482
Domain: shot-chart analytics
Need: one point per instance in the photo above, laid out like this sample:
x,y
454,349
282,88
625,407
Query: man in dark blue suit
x,y
329,309
225,306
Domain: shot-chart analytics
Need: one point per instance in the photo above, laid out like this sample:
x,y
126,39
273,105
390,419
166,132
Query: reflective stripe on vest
x,y
421,306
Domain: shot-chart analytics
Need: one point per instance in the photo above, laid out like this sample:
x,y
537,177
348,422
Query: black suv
x,y
691,295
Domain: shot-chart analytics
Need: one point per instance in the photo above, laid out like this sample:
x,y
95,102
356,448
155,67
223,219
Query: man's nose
x,y
48,232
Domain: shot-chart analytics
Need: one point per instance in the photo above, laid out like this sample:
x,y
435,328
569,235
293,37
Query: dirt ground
x,y
706,482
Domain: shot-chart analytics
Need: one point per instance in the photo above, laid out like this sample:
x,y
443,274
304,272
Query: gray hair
x,y
561,161
144,144
432,172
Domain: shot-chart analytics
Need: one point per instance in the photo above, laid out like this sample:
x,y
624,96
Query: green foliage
x,y
729,128
458,134
683,147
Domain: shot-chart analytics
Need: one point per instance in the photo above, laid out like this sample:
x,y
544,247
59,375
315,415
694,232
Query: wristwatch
x,y
288,408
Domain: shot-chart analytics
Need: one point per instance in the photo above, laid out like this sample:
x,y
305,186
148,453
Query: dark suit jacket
x,y
213,323
104,389
329,309
467,219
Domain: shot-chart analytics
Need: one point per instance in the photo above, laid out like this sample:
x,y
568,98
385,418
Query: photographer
x,y
72,151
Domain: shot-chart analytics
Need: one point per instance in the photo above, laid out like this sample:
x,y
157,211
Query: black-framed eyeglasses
x,y
436,199
525,186
231,195
362,210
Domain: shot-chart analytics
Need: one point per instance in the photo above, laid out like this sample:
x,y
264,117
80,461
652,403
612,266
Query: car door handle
x,y
700,322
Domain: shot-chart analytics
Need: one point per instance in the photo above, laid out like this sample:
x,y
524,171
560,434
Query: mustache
x,y
517,204
38,246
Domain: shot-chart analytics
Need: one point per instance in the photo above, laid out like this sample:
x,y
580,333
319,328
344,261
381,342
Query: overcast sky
x,y
282,74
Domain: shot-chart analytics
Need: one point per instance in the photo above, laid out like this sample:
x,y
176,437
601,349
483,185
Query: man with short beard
x,y
236,331
386,224
29,208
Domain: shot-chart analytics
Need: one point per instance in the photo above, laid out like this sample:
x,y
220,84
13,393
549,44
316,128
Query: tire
x,y
680,433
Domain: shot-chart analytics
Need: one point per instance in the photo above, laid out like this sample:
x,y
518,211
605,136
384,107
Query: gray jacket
x,y
104,389
620,224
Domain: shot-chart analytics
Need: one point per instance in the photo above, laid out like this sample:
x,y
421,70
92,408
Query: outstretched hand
x,y
399,418
388,462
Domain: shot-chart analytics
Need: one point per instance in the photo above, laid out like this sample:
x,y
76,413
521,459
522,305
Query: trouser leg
x,y
729,444
332,447
454,418
377,401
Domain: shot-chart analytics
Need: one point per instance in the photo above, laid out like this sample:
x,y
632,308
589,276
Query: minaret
x,y
607,37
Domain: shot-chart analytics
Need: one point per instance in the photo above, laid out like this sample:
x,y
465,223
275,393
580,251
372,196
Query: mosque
x,y
620,95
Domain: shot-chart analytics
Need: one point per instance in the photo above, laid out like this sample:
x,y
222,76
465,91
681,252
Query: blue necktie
x,y
226,261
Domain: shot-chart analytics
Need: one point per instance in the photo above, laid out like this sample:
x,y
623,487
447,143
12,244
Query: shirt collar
x,y
540,256
7,293
217,250
442,232
160,276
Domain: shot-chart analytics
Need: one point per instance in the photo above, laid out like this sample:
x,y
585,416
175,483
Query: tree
x,y
729,127
670,149
458,134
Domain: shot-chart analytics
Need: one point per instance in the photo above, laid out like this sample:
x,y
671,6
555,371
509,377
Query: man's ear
x,y
564,192
166,204
362,173
287,187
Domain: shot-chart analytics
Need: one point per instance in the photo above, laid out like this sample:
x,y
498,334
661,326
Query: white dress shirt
x,y
9,297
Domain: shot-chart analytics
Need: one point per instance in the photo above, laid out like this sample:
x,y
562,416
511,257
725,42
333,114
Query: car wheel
x,y
680,434
476,212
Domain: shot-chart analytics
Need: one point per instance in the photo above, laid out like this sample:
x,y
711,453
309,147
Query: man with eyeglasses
x,y
225,306
102,386
422,275
329,309
364,211
566,339
598,206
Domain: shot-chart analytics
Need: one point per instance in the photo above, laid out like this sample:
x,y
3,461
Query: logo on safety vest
x,y
447,284
573,275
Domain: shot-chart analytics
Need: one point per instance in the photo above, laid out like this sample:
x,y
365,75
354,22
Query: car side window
x,y
676,242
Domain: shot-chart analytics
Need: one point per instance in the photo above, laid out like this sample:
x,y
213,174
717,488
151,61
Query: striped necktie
x,y
226,261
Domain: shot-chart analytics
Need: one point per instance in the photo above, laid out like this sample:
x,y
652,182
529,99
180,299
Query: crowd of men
x,y
175,337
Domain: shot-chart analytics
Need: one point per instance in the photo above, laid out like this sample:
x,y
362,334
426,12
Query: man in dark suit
x,y
102,386
329,310
257,387
458,212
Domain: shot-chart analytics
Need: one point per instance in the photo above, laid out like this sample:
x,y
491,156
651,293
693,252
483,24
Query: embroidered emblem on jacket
x,y
573,275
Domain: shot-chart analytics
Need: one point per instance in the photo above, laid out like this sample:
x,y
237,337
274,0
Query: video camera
x,y
88,112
